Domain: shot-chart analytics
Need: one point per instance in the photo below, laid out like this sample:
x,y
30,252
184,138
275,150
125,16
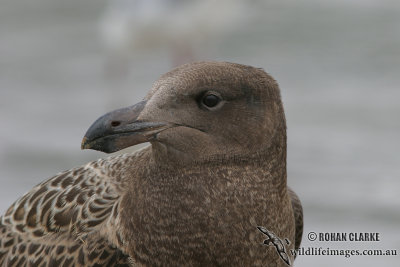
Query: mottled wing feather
x,y
67,220
298,216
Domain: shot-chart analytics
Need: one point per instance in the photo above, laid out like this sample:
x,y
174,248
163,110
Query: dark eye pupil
x,y
211,100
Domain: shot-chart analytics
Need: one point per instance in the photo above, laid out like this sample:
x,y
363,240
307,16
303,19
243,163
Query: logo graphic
x,y
277,242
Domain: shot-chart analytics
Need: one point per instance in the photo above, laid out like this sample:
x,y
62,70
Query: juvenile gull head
x,y
198,112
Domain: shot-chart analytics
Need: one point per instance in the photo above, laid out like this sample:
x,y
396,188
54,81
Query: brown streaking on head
x,y
215,170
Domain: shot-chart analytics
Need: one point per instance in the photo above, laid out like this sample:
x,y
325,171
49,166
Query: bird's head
x,y
197,112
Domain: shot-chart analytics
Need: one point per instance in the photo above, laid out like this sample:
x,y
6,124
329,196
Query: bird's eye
x,y
210,100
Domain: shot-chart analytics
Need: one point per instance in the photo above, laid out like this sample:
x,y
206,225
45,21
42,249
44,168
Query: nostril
x,y
115,123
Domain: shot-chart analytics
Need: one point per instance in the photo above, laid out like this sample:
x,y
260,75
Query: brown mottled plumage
x,y
215,170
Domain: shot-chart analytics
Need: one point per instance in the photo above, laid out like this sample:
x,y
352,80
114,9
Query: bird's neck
x,y
268,164
204,203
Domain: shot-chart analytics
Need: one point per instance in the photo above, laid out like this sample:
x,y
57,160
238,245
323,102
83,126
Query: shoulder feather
x,y
298,216
68,219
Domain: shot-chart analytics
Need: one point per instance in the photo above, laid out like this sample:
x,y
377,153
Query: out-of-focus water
x,y
338,66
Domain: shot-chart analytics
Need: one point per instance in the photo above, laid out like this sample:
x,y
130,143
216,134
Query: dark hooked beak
x,y
120,129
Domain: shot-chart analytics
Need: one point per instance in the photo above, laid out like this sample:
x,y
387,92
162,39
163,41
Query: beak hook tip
x,y
84,143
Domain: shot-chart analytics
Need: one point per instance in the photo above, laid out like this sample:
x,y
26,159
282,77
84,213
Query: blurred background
x,y
65,63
